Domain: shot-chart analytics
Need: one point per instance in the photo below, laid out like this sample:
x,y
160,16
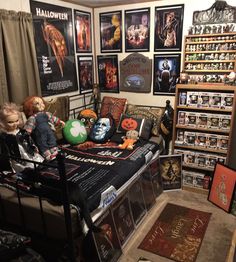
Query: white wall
x,y
189,7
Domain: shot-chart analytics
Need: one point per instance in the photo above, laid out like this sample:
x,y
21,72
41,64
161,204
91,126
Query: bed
x,y
107,176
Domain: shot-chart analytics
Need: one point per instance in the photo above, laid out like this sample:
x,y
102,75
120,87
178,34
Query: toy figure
x,y
96,98
129,140
38,124
15,141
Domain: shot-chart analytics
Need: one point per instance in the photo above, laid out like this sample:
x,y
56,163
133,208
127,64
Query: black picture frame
x,y
137,30
166,72
85,73
111,32
222,187
171,171
108,75
83,32
168,28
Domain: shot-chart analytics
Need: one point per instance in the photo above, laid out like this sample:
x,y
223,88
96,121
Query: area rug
x,y
177,233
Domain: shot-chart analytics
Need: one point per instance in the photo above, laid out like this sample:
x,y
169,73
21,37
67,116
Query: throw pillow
x,y
151,113
142,125
114,106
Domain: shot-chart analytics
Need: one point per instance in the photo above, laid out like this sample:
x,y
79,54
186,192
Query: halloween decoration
x,y
75,132
167,125
15,141
129,124
88,117
129,140
102,130
38,124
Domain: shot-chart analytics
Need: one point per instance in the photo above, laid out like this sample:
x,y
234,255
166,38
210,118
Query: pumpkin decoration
x,y
129,124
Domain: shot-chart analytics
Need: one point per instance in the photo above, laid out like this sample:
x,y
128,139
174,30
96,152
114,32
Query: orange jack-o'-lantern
x,y
129,124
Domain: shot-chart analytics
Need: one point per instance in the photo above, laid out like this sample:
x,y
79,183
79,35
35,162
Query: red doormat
x,y
177,233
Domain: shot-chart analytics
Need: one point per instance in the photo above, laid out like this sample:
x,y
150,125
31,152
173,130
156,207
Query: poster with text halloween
x,y
54,47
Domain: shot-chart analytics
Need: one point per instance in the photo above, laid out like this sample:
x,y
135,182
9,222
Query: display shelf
x,y
208,155
209,57
200,148
196,189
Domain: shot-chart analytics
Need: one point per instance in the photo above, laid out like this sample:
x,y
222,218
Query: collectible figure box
x,y
202,120
201,159
215,100
227,101
189,158
204,98
183,98
181,118
212,140
213,121
201,139
179,137
225,122
191,119
223,142
192,99
211,161
198,180
189,138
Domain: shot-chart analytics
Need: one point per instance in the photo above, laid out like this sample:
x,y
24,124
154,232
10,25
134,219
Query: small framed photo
x,y
171,171
137,30
110,32
166,73
83,35
108,73
168,28
222,187
85,71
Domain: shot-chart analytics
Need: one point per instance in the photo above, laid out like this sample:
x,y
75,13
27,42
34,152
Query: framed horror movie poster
x,y
166,73
83,38
108,73
110,32
168,28
85,71
54,48
137,30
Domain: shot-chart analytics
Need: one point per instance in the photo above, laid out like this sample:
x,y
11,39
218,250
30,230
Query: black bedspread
x,y
96,169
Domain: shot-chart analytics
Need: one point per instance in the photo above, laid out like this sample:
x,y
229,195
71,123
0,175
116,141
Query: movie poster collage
x,y
127,211
118,223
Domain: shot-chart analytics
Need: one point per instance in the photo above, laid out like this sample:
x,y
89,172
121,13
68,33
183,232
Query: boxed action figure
x,y
215,100
202,120
189,138
192,99
227,100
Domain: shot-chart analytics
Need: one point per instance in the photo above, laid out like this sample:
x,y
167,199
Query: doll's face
x,y
12,122
38,104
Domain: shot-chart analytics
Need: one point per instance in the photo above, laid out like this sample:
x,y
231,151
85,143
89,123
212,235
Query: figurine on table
x,y
96,98
15,141
40,124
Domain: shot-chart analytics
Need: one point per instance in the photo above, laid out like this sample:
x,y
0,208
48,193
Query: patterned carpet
x,y
217,239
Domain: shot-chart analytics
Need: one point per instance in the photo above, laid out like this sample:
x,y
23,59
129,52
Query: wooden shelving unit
x,y
204,155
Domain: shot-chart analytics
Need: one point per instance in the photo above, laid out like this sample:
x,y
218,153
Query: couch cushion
x,y
151,113
114,106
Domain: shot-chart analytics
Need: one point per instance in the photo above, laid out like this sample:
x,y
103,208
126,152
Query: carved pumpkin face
x,y
129,124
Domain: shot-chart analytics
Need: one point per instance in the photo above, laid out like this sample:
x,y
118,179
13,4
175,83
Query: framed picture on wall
x,y
83,35
168,28
137,30
108,73
222,188
111,32
85,73
166,73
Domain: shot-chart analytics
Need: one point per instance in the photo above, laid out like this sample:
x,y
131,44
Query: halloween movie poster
x,y
54,47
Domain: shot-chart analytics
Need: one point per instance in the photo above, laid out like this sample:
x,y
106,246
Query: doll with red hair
x,y
39,124
15,141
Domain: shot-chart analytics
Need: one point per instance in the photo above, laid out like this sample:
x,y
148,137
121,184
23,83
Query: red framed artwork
x,y
222,187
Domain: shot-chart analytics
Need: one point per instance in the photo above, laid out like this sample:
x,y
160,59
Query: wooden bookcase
x,y
204,126
208,57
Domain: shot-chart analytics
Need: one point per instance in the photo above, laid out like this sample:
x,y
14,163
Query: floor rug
x,y
177,233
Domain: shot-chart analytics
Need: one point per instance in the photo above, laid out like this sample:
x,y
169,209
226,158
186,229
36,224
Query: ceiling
x,y
103,3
